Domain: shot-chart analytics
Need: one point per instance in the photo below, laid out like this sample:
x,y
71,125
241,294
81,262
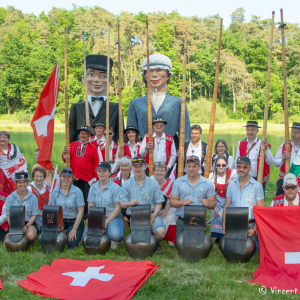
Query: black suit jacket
x,y
204,145
77,119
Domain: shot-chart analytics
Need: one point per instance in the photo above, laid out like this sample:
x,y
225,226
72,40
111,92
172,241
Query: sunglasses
x,y
192,158
221,165
109,133
290,187
242,167
158,163
135,160
195,127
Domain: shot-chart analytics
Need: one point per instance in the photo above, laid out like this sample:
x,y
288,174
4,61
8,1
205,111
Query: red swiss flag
x,y
94,279
42,122
279,240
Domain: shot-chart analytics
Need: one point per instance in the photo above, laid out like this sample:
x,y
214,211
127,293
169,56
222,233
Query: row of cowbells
x,y
192,244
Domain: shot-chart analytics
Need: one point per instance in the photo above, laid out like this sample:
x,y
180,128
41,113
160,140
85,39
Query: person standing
x,y
163,105
3,218
99,138
96,70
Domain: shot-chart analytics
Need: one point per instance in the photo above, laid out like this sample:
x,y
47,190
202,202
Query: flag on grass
x,y
279,240
1,286
94,279
167,187
56,179
42,122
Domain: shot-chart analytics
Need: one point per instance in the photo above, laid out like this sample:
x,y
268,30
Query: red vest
x,y
279,200
222,187
41,202
243,152
169,142
282,169
94,141
114,151
3,197
128,153
115,179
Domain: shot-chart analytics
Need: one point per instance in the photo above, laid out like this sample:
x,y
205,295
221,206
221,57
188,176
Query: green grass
x,y
211,278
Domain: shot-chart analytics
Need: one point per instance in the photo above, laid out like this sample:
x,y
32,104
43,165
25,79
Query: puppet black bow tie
x,y
98,98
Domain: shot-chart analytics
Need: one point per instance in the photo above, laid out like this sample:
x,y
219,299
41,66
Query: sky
x,y
200,8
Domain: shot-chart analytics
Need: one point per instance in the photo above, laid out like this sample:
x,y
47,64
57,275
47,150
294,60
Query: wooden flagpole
x,y
286,107
182,116
121,129
107,99
68,162
150,152
213,109
264,131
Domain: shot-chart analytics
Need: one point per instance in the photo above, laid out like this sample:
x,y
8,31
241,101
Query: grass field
x,y
211,278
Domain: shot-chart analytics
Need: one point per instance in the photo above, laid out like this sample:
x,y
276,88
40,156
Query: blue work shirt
x,y
107,198
30,202
183,188
69,203
251,192
148,193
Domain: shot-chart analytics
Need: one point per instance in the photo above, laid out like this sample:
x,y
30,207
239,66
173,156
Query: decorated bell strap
x,y
96,226
52,223
236,233
140,224
194,226
17,223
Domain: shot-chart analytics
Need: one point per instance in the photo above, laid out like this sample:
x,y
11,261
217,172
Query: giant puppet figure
x,y
163,104
96,70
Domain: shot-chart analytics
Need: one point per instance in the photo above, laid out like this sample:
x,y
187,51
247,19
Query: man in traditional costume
x,y
99,137
96,69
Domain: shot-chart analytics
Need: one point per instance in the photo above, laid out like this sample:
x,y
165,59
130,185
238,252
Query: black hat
x,y
66,171
194,159
98,124
104,165
244,159
296,125
84,128
131,128
21,176
98,62
138,160
159,120
253,124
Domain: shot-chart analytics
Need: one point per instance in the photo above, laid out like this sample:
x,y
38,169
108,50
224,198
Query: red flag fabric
x,y
279,240
42,122
167,187
94,279
1,286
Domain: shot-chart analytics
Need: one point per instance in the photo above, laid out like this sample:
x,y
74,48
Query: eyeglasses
x,y
242,167
109,133
221,165
290,187
135,160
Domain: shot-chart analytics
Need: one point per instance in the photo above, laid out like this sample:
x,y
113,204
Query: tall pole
x,y
107,99
213,109
68,162
87,113
121,129
150,153
286,107
264,131
182,116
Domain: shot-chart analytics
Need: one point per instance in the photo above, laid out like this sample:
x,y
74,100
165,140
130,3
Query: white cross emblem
x,y
292,258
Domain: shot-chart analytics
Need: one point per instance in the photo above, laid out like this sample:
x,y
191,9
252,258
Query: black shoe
x,y
159,249
217,240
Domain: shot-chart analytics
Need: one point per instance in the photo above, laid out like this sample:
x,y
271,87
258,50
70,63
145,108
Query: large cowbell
x,y
193,244
53,237
95,241
140,243
236,246
17,240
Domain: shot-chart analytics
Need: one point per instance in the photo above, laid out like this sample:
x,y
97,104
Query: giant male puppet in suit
x,y
96,69
163,104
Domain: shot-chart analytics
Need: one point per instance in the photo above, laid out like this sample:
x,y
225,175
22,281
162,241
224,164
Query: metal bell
x,y
17,240
95,241
140,243
193,244
236,246
53,237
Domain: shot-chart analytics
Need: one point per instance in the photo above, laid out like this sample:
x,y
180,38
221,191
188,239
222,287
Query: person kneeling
x,y
141,189
70,198
105,193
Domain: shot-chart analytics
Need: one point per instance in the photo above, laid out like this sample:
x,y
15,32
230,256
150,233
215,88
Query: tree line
x,y
30,46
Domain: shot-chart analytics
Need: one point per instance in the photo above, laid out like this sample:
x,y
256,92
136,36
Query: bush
x,y
278,117
294,118
24,116
200,111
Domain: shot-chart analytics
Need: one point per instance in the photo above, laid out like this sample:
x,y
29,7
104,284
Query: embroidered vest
x,y
128,153
279,200
41,202
222,187
114,151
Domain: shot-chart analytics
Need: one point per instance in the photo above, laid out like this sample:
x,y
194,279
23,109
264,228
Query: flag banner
x,y
1,286
94,279
42,122
279,240
167,188
56,179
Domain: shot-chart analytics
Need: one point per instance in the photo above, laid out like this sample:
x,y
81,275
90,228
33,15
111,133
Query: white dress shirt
x,y
157,99
278,157
286,203
96,105
195,151
253,155
159,151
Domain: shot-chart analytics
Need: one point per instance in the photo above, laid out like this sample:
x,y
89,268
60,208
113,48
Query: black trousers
x,y
2,234
279,187
84,187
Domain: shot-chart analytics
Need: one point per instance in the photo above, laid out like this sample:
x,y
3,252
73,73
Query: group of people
x,y
123,182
